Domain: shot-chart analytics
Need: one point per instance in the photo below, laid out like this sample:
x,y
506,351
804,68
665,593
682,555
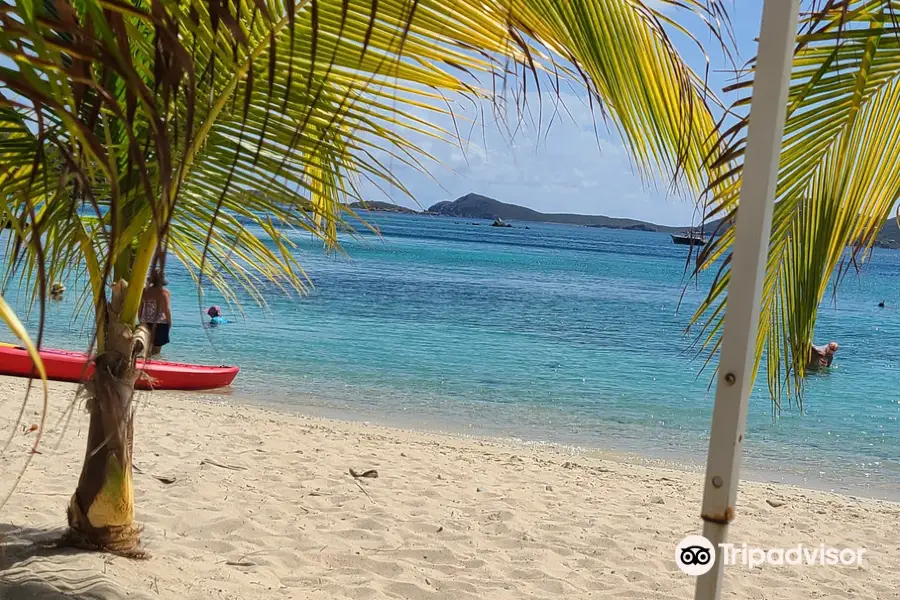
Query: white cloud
x,y
568,168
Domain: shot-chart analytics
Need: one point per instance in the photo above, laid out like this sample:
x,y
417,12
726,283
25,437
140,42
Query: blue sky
x,y
564,169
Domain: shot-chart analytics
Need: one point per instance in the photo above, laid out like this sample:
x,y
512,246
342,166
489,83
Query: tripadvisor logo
x,y
696,555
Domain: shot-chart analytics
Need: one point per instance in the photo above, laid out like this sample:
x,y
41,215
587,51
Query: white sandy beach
x,y
447,518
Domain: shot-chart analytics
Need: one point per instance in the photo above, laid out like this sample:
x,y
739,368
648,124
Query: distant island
x,y
889,236
477,206
383,207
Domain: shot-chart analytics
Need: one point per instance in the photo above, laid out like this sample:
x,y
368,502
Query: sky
x,y
577,165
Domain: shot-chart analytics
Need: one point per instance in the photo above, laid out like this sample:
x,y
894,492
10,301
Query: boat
x,y
65,365
690,238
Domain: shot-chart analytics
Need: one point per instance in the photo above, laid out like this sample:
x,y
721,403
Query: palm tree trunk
x,y
101,511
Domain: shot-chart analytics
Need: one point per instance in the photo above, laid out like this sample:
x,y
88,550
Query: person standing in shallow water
x,y
156,310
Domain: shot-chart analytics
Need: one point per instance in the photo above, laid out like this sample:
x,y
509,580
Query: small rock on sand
x,y
657,500
774,502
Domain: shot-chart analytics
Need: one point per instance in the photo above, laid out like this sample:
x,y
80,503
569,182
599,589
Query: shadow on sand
x,y
34,567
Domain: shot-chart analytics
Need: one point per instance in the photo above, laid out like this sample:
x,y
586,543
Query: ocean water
x,y
548,334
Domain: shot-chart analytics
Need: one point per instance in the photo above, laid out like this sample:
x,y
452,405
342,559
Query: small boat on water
x,y
690,238
63,365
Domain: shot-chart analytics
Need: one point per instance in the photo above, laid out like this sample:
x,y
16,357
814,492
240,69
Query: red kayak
x,y
63,365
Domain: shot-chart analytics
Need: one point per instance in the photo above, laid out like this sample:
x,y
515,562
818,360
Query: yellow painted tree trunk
x,y
101,511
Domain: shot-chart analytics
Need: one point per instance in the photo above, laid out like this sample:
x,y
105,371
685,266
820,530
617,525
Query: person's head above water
x,y
157,279
881,304
832,347
214,311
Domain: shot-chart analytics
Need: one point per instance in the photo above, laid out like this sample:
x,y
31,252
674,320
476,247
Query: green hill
x,y
376,205
476,206
889,236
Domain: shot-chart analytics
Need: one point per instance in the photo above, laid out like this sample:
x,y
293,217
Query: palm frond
x,y
837,181
212,130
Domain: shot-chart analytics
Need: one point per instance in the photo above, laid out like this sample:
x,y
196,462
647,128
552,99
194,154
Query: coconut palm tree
x,y
838,179
208,131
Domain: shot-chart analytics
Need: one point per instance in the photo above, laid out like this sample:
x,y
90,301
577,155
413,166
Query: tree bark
x,y
101,511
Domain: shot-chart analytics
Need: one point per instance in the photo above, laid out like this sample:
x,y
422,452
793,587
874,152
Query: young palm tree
x,y
838,179
209,130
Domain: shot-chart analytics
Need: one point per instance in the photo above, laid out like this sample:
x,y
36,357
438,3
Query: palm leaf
x,y
174,128
837,181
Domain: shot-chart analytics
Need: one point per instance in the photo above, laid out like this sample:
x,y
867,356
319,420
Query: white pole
x,y
754,224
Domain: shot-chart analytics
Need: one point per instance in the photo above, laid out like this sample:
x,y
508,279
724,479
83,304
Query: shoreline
x,y
686,462
240,502
651,458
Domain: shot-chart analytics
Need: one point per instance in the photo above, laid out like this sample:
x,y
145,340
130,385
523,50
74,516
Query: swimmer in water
x,y
57,290
215,316
822,356
881,304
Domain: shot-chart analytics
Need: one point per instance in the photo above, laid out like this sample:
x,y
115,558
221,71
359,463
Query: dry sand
x,y
447,518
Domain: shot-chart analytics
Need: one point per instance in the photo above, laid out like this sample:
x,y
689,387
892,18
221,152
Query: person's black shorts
x,y
161,333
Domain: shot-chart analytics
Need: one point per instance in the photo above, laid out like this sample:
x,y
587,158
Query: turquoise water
x,y
554,333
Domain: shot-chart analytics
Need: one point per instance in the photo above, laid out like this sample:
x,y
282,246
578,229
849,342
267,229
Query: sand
x,y
262,506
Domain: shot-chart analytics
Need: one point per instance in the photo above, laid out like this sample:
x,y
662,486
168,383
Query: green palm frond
x,y
10,319
837,181
213,130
